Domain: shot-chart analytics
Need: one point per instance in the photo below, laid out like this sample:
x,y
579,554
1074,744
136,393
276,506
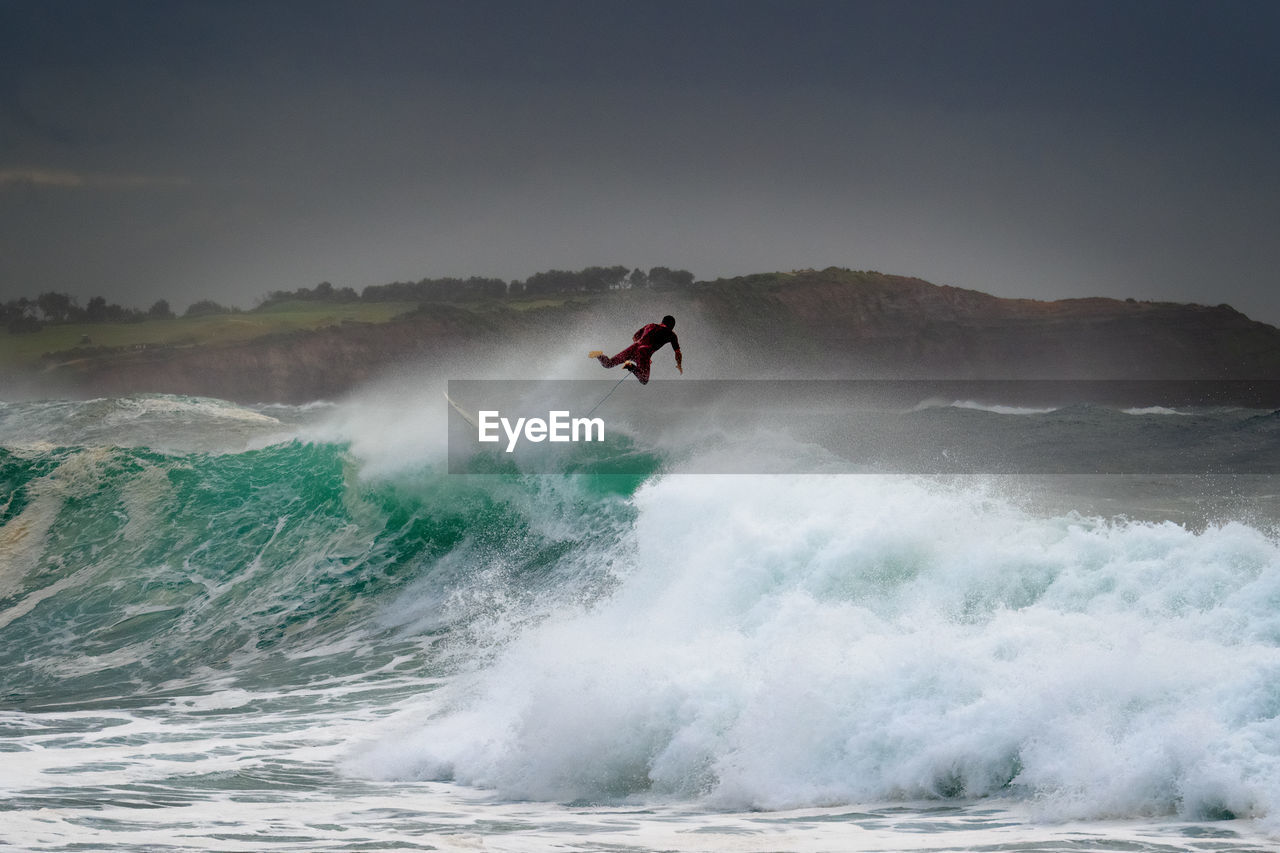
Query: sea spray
x,y
786,642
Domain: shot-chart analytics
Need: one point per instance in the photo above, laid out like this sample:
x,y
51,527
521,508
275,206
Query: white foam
x,y
132,408
1152,410
158,421
786,642
994,408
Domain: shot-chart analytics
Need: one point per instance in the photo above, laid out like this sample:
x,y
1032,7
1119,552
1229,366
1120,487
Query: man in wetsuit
x,y
646,342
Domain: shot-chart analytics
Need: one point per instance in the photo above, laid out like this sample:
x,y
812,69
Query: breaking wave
x,y
739,640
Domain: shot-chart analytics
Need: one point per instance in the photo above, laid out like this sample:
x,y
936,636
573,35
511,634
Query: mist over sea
x,y
289,628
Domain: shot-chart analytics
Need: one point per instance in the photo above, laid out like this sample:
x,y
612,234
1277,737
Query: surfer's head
x,y
669,321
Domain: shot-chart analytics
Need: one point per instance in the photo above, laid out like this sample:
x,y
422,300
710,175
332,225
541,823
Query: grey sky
x,y
223,149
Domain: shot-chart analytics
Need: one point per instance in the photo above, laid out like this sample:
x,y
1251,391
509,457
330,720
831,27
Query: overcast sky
x,y
220,150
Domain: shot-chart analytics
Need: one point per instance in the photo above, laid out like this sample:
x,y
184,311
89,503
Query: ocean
x,y
301,628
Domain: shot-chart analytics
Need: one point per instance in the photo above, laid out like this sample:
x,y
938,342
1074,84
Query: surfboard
x,y
466,416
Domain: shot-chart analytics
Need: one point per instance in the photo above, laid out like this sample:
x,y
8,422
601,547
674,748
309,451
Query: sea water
x,y
290,628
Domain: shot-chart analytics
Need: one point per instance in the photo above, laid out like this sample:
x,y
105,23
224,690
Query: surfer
x,y
645,342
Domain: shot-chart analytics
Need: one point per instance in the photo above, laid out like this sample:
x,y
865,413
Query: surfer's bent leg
x,y
641,363
626,355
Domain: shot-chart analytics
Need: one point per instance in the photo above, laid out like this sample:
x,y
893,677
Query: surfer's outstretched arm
x,y
679,363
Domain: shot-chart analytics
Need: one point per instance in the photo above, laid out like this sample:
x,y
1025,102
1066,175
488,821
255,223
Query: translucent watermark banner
x,y
617,426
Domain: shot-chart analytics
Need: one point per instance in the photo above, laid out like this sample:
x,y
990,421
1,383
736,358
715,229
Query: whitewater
x,y
288,628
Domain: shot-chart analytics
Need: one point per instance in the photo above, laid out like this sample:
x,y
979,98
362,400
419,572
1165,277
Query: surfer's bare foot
x,y
595,353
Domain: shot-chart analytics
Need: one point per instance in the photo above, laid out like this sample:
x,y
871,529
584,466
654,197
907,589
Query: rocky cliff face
x,y
823,324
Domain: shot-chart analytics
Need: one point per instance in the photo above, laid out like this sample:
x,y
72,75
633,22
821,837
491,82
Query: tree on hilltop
x,y
591,279
665,277
56,307
19,316
204,308
99,311
437,290
96,310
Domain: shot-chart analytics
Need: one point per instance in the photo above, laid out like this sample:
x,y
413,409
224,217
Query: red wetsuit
x,y
648,340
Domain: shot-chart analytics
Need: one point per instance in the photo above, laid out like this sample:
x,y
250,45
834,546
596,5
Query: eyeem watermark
x,y
926,427
558,427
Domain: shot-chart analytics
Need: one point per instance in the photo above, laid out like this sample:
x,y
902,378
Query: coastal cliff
x,y
874,325
821,324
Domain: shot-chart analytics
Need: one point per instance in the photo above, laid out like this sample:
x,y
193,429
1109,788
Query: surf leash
x,y
610,394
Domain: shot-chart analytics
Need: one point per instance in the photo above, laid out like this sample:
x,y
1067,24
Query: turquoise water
x,y
288,628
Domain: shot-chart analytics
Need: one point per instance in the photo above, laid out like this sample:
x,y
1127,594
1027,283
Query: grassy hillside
x,y
27,349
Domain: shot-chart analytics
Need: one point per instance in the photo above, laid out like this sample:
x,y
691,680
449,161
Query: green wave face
x,y
128,574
